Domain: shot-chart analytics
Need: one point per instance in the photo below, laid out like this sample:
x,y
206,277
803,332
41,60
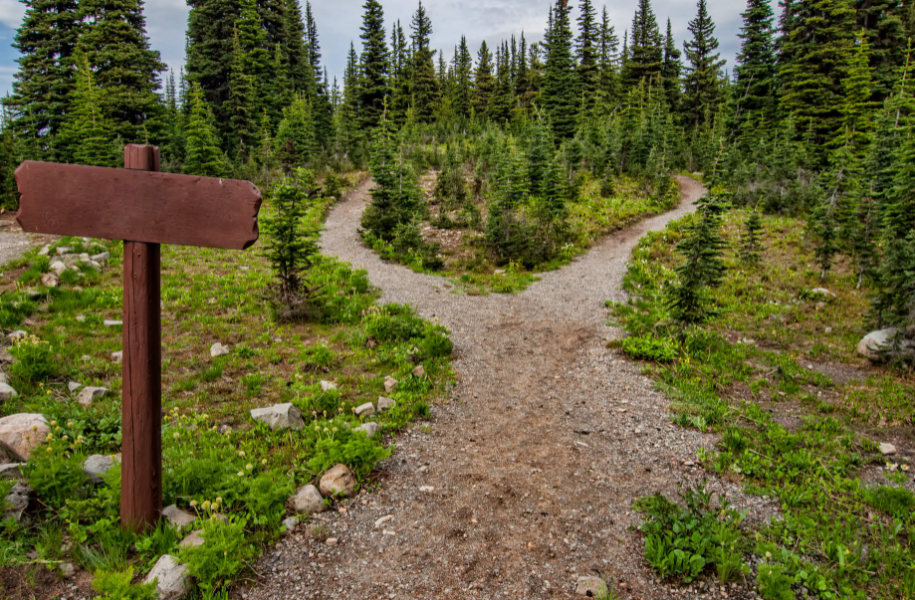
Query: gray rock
x,y
50,280
822,292
118,356
178,517
66,570
101,257
289,523
279,416
61,250
11,470
390,384
886,344
385,404
370,429
328,385
16,335
23,432
17,501
89,394
338,481
73,386
419,371
97,465
45,250
6,357
58,267
365,410
887,449
217,350
193,540
593,587
172,579
7,391
307,501
8,455
80,318
112,323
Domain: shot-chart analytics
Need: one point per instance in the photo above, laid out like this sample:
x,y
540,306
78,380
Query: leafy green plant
x,y
34,360
773,583
114,585
223,554
353,449
649,348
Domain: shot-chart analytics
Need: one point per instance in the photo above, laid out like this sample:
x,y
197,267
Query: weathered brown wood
x,y
124,204
141,446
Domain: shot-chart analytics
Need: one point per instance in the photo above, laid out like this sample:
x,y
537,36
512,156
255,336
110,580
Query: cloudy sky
x,y
339,21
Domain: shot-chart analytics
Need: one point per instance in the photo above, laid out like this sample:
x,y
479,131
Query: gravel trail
x,y
535,460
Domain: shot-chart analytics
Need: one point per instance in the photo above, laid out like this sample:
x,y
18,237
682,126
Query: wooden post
x,y
141,451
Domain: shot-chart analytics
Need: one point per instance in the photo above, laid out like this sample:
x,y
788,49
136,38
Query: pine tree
x,y
242,105
756,71
884,22
42,87
298,53
703,248
484,81
203,156
210,34
401,97
858,109
587,53
751,247
609,61
255,55
502,100
295,138
277,93
423,86
463,72
818,45
86,136
643,50
373,87
702,80
559,95
670,72
316,90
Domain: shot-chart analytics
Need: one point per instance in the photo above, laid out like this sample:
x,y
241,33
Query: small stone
x,y
17,501
45,250
11,470
426,489
89,394
331,541
370,429
279,416
390,384
112,323
338,481
379,523
821,305
81,318
828,330
225,429
50,280
365,410
289,523
385,404
66,570
73,386
16,335
97,465
61,250
101,257
23,432
887,449
217,350
193,540
326,386
593,587
7,391
117,357
823,292
178,517
172,579
419,371
307,501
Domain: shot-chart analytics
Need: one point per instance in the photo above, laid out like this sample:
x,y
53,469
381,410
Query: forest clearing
x,y
584,312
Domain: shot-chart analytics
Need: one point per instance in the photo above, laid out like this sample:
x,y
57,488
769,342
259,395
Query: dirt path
x,y
535,461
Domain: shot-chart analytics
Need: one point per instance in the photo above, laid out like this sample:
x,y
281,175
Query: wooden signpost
x,y
144,208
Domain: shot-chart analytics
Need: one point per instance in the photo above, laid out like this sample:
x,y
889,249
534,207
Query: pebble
x,y
217,350
112,323
887,449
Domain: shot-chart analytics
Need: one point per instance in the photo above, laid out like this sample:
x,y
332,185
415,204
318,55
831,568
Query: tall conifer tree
x,y
87,137
587,53
702,80
559,96
644,55
423,86
755,72
373,86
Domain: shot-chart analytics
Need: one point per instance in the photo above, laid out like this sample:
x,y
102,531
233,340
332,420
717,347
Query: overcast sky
x,y
339,22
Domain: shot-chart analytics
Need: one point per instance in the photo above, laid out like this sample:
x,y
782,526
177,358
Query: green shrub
x,y
113,585
317,356
649,348
34,360
223,554
773,583
353,449
896,502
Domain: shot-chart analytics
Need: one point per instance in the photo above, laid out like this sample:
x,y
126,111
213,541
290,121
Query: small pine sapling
x,y
750,240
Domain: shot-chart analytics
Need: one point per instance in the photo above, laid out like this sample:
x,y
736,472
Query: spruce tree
x,y
670,72
858,108
702,79
277,92
609,61
242,107
373,85
401,98
295,138
463,74
559,95
42,86
298,53
500,107
423,86
755,73
751,247
202,156
210,34
484,82
87,137
884,22
587,53
818,45
255,55
643,53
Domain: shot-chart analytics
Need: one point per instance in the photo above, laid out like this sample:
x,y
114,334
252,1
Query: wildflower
x,y
193,504
205,505
264,462
249,466
177,435
241,453
53,423
241,473
218,499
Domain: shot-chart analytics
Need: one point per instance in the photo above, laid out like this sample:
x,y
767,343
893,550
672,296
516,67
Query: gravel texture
x,y
534,461
13,242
